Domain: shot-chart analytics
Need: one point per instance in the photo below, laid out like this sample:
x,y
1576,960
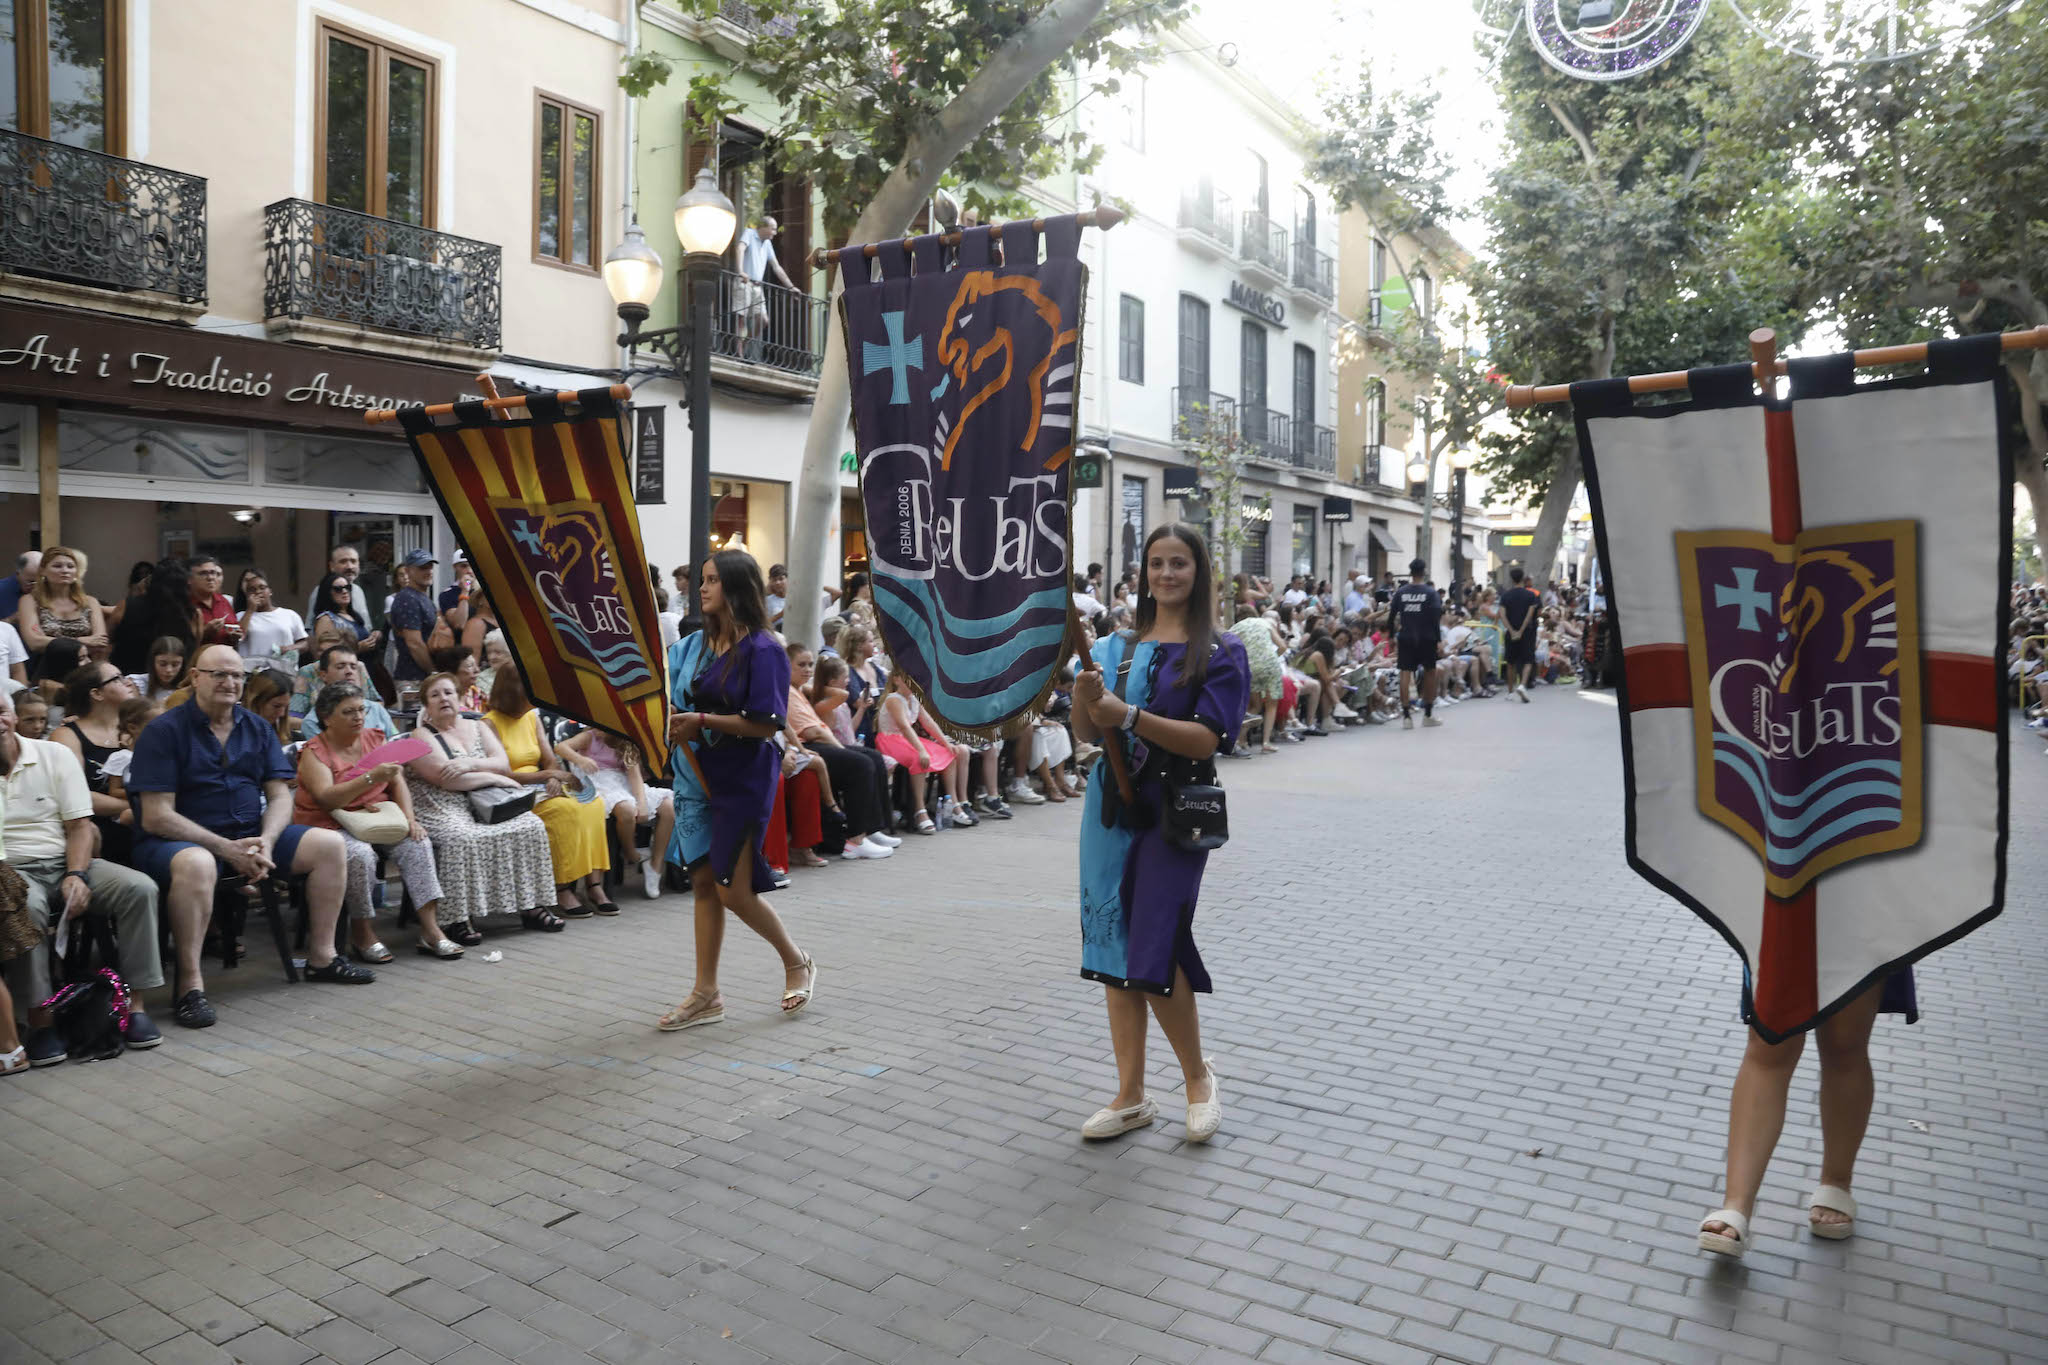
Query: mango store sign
x,y
48,353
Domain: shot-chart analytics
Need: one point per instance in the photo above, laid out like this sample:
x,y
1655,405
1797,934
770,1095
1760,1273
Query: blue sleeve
x,y
1108,653
155,765
1226,688
767,695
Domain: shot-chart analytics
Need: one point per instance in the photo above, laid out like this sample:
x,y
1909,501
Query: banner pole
x,y
1521,396
517,400
1104,217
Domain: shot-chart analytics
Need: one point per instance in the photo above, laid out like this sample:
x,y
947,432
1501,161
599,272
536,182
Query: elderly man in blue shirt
x,y
212,793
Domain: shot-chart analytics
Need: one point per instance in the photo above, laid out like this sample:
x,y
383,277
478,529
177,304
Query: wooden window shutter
x,y
793,211
699,148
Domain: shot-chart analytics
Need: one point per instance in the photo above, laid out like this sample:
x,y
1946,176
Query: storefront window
x,y
13,431
90,443
330,462
1304,540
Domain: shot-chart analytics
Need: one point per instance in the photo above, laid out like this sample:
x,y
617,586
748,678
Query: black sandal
x,y
464,932
542,919
604,908
340,971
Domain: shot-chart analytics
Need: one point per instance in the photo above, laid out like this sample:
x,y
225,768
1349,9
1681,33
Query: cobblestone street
x,y
1475,1076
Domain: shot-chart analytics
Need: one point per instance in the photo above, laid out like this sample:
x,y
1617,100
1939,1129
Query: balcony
x,y
336,266
1262,245
767,327
1206,222
1195,408
1268,435
744,16
81,218
1315,448
1384,467
1315,272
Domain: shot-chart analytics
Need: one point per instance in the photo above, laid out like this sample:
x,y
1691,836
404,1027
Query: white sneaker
x,y
1430,722
864,849
885,840
1022,794
650,877
1522,692
1407,722
885,848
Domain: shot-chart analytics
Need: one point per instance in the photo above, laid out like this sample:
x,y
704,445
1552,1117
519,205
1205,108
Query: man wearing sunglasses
x,y
212,796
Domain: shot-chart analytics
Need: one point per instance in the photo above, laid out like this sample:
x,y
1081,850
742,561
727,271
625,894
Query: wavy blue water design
x,y
1735,746
608,659
974,628
973,710
1745,764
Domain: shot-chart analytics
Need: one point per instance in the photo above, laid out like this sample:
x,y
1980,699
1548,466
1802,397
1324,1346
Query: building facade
x,y
1215,300
232,226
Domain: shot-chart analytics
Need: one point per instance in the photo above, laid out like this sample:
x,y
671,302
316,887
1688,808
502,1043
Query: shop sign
x,y
1257,302
1256,513
650,460
1518,540
69,356
1336,509
1183,481
1087,468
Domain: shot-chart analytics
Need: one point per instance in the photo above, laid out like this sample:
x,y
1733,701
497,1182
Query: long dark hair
x,y
168,607
746,598
1201,609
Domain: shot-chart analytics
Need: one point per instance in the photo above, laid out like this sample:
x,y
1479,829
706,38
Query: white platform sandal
x,y
1722,1243
1836,1198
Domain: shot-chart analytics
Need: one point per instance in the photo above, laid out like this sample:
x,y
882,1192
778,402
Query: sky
x,y
1297,47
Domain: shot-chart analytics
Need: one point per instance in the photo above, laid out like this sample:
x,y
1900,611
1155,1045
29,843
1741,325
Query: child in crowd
x,y
32,717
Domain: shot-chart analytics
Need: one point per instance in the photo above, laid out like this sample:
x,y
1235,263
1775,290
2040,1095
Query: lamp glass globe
x,y
633,270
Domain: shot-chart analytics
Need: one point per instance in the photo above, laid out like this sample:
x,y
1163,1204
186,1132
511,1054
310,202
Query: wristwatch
x,y
1130,720
75,872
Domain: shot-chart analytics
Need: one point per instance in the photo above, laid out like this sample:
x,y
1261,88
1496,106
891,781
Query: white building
x,y
1219,290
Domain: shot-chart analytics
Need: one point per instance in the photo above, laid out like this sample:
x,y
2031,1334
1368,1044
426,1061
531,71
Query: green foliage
x,y
1218,448
854,82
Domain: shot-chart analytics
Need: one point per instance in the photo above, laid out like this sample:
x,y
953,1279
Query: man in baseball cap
x,y
412,616
454,601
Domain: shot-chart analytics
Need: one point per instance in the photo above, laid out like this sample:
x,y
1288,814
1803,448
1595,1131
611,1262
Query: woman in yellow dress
x,y
575,825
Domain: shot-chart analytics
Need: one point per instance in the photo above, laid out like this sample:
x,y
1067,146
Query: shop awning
x,y
1384,538
1473,549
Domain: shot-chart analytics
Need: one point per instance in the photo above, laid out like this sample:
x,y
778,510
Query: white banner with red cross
x,y
1812,596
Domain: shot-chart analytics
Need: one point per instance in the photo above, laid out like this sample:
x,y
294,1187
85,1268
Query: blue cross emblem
x,y
1744,595
899,357
523,533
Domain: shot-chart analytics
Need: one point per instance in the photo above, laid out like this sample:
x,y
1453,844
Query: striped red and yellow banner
x,y
544,507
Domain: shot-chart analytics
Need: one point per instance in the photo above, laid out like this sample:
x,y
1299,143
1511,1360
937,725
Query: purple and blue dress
x,y
1138,891
751,679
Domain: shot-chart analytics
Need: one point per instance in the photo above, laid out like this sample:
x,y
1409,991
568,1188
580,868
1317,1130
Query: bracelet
x,y
75,872
1129,724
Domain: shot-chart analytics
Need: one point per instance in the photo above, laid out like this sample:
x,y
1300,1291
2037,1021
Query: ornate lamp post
x,y
705,220
1461,462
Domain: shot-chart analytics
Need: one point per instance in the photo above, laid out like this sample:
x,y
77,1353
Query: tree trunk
x,y
1564,484
1033,48
2031,475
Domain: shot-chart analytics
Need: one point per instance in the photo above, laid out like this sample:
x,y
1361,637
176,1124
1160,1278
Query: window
x,y
1425,295
1303,559
1304,215
1251,397
1130,112
376,129
1304,388
1376,282
61,71
1261,200
565,222
1130,356
1194,350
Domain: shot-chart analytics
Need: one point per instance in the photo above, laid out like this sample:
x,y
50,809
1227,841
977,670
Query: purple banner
x,y
964,374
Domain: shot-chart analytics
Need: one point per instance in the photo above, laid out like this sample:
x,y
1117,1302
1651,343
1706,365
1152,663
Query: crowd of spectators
x,y
2026,658
190,757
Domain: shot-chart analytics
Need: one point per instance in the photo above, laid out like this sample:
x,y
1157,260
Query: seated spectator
x,y
93,698
831,628
462,662
336,595
483,619
212,792
497,655
339,664
1319,663
575,826
269,694
165,608
615,766
49,838
915,741
867,681
57,607
484,869
269,632
327,632
61,658
32,716
164,672
856,779
14,655
217,623
327,786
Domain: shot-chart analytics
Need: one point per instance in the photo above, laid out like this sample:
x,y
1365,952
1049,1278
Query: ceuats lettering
x,y
1022,532
1851,713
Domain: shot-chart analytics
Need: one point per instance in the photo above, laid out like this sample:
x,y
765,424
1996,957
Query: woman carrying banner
x,y
1756,1113
729,683
1175,687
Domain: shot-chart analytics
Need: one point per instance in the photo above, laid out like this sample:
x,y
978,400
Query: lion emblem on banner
x,y
568,554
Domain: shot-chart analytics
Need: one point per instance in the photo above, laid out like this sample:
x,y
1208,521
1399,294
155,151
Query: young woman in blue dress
x,y
729,683
1184,692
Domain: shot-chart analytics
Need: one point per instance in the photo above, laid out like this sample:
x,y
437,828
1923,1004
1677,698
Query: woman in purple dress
x,y
1170,691
729,684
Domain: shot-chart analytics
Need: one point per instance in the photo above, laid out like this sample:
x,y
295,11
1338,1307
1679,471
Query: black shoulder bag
x,y
1195,817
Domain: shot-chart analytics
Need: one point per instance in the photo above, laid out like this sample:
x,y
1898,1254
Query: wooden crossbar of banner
x,y
1763,346
1104,217
517,400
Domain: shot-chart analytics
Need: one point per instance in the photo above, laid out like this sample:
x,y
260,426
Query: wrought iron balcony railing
x,y
1315,272
88,218
1209,215
766,324
1268,435
1195,407
1315,448
1263,242
740,14
333,263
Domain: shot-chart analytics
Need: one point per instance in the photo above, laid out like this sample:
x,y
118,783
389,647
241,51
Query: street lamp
x,y
705,220
1461,461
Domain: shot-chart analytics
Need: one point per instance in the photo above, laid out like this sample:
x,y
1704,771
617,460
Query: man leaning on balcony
x,y
757,258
